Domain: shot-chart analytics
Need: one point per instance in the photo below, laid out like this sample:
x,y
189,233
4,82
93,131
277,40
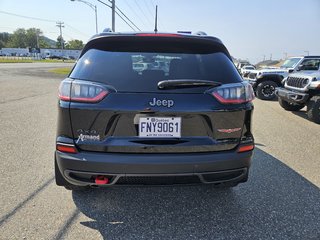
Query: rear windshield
x,y
141,71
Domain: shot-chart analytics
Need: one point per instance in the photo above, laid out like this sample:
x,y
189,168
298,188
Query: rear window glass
x,y
141,71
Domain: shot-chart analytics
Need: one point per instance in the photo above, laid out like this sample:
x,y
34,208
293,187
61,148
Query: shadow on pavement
x,y
302,114
6,217
275,99
276,203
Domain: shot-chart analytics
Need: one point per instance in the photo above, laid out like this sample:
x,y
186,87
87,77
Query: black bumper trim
x,y
158,179
292,96
119,165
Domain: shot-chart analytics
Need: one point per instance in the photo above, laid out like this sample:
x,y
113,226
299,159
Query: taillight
x,y
81,91
234,93
245,148
67,148
64,90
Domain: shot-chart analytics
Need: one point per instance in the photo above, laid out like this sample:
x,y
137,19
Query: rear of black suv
x,y
153,109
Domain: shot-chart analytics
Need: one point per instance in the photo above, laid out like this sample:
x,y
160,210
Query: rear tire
x,y
313,109
60,181
289,106
266,90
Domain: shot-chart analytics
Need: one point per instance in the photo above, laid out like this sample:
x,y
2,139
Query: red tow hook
x,y
100,180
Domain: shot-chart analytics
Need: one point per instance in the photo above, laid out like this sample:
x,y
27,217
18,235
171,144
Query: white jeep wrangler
x,y
301,89
265,81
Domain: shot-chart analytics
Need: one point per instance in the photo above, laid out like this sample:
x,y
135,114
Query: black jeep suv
x,y
125,120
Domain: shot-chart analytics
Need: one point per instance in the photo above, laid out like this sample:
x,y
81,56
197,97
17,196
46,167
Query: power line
x,y
142,11
41,19
128,18
120,15
148,8
76,30
125,21
105,3
71,37
33,18
135,13
8,27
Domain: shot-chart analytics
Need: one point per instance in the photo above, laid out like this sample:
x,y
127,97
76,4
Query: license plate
x,y
160,127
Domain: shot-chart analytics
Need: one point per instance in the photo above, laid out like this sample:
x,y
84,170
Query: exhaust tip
x,y
101,180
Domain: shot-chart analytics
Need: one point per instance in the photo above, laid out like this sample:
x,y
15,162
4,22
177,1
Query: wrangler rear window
x,y
141,71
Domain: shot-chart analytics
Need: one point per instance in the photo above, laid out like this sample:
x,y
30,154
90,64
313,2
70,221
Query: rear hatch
x,y
147,94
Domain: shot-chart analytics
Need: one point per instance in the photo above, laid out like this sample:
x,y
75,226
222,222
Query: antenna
x,y
156,21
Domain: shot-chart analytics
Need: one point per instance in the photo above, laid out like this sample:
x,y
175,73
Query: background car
x,y
245,70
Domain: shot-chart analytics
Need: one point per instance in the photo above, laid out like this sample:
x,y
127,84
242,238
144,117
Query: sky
x,y
250,29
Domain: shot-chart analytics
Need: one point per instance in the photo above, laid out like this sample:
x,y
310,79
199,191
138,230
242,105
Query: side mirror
x,y
300,67
291,70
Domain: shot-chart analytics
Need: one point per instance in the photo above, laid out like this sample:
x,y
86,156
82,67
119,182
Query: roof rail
x,y
185,32
201,33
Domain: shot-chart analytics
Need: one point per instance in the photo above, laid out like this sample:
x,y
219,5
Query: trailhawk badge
x,y
163,103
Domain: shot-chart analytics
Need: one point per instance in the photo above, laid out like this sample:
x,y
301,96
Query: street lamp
x,y
113,9
94,7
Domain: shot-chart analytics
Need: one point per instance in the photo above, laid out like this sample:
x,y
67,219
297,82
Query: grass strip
x,y
64,71
10,60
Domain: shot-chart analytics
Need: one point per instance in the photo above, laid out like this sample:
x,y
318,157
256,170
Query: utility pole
x,y
285,55
113,7
95,11
61,25
37,35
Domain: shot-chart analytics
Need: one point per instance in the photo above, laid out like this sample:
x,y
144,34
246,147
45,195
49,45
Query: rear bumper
x,y
81,168
292,96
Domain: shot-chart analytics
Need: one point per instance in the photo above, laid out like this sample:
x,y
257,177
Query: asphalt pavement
x,y
280,200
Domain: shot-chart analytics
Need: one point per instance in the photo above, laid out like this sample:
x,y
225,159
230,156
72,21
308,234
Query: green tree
x,y
43,43
4,38
60,41
22,38
74,44
32,37
18,39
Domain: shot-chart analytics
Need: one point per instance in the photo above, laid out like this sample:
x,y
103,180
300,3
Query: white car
x,y
246,69
265,81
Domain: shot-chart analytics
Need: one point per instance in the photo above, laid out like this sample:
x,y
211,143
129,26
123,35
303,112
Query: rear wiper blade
x,y
185,83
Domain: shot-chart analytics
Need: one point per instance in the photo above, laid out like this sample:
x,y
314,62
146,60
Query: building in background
x,y
41,53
